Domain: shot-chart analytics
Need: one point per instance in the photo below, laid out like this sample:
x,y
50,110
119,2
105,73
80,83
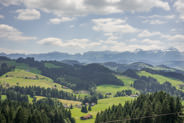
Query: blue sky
x,y
77,26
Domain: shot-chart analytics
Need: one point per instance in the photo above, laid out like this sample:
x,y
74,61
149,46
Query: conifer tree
x,y
89,107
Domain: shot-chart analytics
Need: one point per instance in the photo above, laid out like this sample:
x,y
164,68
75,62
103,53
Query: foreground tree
x,y
154,105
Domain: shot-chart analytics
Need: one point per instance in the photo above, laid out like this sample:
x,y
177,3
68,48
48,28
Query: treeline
x,y
76,76
171,74
123,93
131,73
4,68
149,84
36,91
145,106
44,111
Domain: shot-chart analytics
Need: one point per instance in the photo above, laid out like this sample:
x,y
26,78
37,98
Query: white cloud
x,y
113,28
142,5
1,16
72,26
158,17
179,6
83,45
173,30
9,51
146,33
177,37
112,25
60,20
154,21
79,43
84,7
28,14
11,33
150,41
10,2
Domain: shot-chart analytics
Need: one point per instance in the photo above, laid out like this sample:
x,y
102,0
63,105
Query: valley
x,y
92,85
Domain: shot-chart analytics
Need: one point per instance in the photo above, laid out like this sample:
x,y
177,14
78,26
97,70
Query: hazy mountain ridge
x,y
171,57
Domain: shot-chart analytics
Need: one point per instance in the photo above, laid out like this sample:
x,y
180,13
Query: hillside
x,y
30,81
73,76
158,107
139,66
23,78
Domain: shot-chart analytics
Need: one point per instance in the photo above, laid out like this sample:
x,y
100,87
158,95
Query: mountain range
x,y
171,57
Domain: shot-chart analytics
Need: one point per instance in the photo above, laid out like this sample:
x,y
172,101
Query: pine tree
x,y
84,109
71,107
89,107
2,118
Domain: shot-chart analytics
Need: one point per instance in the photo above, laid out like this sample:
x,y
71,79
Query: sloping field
x,y
113,89
162,79
21,66
102,105
24,78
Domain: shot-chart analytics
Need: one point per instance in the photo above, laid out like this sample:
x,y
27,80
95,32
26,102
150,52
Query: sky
x,y
78,26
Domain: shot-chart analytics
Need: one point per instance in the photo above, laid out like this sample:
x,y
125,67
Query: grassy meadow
x,y
126,80
162,79
102,105
24,78
113,89
66,102
22,66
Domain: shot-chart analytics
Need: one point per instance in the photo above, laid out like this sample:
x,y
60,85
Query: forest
x,y
43,111
147,108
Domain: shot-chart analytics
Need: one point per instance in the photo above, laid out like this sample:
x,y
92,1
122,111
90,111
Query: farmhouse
x,y
89,116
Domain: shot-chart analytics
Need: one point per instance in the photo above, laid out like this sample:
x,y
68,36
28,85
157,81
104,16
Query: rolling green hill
x,y
22,66
113,89
24,78
82,78
101,106
162,79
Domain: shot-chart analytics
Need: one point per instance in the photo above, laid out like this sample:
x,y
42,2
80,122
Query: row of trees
x,y
4,68
172,74
85,109
149,84
145,106
44,111
123,93
36,91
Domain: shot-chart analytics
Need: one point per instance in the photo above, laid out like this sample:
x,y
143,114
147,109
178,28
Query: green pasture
x,y
24,78
102,105
162,79
113,89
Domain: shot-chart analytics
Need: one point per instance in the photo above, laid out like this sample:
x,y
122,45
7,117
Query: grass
x,y
162,79
82,93
161,68
102,105
126,80
22,66
69,102
3,97
39,97
50,65
103,89
66,102
30,99
24,78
